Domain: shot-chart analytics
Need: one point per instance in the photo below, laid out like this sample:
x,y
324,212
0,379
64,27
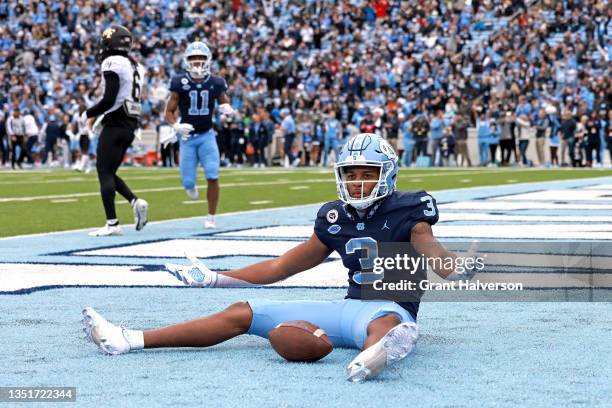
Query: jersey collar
x,y
198,81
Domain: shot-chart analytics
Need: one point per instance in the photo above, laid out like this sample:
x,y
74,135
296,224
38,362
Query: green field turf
x,y
44,201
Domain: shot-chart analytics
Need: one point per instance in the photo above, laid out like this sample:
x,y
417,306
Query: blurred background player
x,y
368,211
118,113
194,94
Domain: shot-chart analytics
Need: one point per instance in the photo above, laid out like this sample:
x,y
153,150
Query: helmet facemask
x,y
198,65
361,201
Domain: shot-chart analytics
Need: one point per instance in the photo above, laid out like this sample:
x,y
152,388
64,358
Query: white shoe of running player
x,y
109,338
210,224
193,193
393,347
106,231
141,210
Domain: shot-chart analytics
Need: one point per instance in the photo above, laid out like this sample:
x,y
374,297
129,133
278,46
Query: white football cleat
x,y
210,224
107,231
108,337
393,347
141,210
193,193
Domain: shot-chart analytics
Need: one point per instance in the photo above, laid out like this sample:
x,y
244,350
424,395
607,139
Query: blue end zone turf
x,y
484,354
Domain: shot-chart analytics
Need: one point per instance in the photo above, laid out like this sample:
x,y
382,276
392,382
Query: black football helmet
x,y
115,40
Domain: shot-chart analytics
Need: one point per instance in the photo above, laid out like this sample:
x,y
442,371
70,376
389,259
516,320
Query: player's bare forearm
x,y
303,257
222,98
171,108
424,242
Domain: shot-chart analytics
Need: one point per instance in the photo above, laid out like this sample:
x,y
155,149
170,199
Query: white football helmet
x,y
198,59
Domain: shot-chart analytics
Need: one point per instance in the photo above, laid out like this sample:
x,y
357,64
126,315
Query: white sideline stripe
x,y
451,216
65,200
492,205
23,276
600,187
559,195
261,202
522,231
176,248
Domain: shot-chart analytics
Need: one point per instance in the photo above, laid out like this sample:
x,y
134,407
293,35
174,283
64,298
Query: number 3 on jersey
x,y
370,247
193,108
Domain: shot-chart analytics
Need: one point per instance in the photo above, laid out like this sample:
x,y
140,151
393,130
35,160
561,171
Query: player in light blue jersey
x,y
194,94
369,211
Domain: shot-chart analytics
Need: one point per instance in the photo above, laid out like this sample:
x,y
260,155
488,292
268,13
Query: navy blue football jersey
x,y
390,220
197,99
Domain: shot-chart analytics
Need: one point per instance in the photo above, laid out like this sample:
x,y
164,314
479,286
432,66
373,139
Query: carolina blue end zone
x,y
485,354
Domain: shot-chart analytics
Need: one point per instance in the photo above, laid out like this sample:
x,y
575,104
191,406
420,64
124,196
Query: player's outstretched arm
x,y
303,257
425,243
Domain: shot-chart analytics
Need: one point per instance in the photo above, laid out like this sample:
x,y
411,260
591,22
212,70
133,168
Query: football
x,y
298,340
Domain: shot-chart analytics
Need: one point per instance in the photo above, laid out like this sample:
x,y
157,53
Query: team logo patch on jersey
x,y
334,229
332,216
186,87
360,226
184,81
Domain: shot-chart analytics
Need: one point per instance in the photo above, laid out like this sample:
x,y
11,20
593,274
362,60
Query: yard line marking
x,y
194,202
65,200
260,202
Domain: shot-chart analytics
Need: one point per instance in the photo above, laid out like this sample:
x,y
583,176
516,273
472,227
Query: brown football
x,y
298,340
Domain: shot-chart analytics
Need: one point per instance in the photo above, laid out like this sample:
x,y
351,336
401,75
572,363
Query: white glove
x,y
196,274
226,109
465,273
183,129
168,139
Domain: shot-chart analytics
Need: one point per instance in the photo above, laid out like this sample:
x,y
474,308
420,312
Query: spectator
x,y
31,133
568,136
483,132
407,138
460,132
4,145
437,128
259,138
524,131
505,136
447,147
593,142
15,129
288,128
421,132
542,128
493,143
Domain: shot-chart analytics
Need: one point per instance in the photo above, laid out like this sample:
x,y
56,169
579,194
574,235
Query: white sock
x,y
210,218
113,223
133,201
135,339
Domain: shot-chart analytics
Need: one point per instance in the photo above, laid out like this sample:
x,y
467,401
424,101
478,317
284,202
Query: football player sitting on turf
x,y
369,211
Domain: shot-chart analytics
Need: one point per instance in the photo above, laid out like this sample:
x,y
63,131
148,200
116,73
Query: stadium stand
x,y
533,77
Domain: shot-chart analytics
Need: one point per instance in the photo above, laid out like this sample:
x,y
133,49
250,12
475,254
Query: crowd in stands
x,y
304,75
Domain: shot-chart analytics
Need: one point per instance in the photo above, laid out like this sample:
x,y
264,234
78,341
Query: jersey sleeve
x,y
422,208
322,225
175,83
115,64
222,85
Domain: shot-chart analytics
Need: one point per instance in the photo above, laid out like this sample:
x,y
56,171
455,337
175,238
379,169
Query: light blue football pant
x,y
344,321
199,148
